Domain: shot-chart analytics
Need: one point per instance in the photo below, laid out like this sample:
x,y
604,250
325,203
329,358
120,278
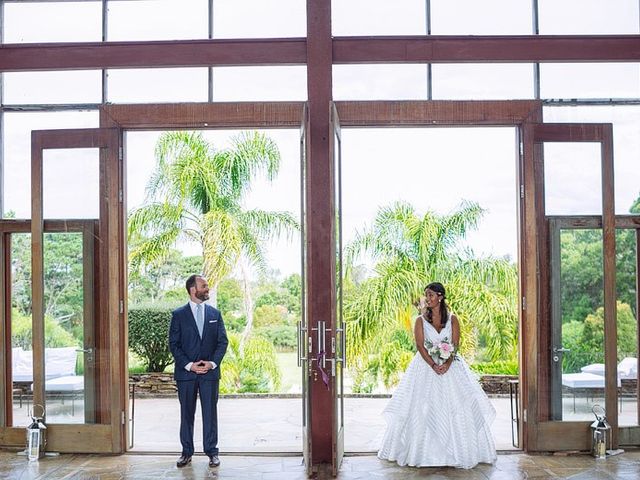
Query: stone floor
x,y
154,467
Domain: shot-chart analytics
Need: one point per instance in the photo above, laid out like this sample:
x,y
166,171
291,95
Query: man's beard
x,y
202,296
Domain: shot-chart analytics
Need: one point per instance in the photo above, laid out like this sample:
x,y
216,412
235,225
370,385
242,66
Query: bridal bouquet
x,y
440,351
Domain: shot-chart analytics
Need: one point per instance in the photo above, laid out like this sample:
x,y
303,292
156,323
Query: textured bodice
x,y
432,335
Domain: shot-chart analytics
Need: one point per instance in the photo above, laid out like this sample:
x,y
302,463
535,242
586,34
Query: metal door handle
x,y
561,350
88,350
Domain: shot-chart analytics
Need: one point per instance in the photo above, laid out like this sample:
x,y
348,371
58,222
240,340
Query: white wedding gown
x,y
438,420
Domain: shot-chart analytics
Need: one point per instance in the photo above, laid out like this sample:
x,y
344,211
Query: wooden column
x,y
320,219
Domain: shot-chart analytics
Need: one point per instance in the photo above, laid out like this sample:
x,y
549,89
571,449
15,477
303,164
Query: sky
x,y
433,169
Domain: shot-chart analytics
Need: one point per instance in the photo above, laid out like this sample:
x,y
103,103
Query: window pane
x,y
70,183
17,151
587,17
572,178
482,81
489,17
162,20
259,18
626,143
590,80
21,327
378,17
380,82
259,83
52,22
53,87
158,85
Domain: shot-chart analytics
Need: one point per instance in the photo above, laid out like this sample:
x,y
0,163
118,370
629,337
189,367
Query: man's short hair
x,y
191,282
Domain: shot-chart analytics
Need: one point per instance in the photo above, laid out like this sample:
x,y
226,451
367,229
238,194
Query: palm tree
x,y
196,193
409,252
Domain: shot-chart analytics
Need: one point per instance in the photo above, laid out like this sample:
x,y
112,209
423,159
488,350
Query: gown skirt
x,y
438,420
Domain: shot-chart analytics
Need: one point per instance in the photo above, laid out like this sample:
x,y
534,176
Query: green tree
x,y
409,252
253,368
196,193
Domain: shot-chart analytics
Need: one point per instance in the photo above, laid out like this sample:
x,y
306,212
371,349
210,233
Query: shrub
x,y
54,334
253,368
496,368
283,337
149,335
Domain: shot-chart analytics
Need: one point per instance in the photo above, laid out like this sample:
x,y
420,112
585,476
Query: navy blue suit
x,y
187,346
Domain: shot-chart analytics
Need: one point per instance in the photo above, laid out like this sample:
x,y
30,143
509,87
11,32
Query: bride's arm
x,y
455,340
418,333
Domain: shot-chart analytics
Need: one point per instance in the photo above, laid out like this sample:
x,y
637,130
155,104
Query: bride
x,y
439,415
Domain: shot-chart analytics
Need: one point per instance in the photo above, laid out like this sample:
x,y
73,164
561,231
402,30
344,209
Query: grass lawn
x,y
291,374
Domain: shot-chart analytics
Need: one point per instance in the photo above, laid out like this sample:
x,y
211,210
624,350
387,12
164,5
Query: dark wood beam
x,y
187,53
465,49
345,50
320,219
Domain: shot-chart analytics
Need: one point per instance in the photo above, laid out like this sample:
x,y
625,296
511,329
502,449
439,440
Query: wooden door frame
x,y
358,114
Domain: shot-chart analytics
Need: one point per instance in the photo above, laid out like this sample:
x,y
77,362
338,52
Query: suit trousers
x,y
188,392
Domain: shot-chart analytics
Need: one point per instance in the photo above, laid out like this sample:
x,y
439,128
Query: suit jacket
x,y
187,346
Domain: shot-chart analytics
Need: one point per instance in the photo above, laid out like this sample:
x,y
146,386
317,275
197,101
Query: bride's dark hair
x,y
439,289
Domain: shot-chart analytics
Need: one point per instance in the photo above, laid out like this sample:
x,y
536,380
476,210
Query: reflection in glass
x,y
17,151
627,322
162,20
579,347
482,81
80,86
21,346
626,143
64,327
589,80
489,17
587,17
70,183
158,85
27,22
572,176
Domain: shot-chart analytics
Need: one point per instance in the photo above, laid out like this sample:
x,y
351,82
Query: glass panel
x,y
378,17
582,324
17,151
71,183
52,87
482,81
380,82
259,18
587,17
627,322
626,143
589,80
163,20
489,17
572,176
27,22
64,327
21,344
259,83
158,85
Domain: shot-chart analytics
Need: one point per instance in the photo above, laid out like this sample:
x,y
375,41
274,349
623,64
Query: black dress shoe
x,y
183,461
214,461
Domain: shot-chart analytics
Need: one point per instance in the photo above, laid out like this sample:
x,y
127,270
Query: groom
x,y
198,341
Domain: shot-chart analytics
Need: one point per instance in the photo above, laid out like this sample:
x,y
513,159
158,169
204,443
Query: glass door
x,y
338,340
76,268
304,339
573,170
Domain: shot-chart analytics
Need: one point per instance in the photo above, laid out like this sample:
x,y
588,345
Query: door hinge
x,y
521,147
120,153
524,415
122,417
121,306
521,191
524,303
120,196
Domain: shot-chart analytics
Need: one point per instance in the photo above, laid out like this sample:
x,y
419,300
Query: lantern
x,y
600,433
36,439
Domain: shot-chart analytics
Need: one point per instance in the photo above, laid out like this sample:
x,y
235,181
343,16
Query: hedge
x,y
149,335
